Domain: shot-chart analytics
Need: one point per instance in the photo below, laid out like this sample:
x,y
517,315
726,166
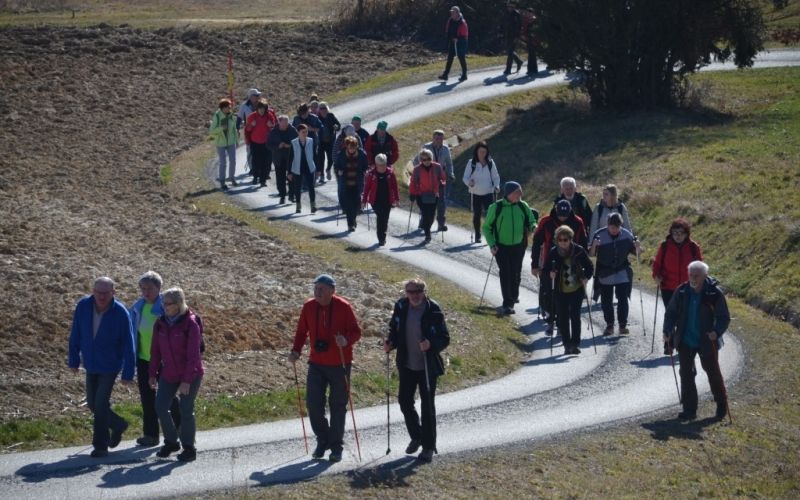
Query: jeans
x,y
164,398
568,317
98,399
607,292
710,364
509,262
320,377
147,396
227,157
424,430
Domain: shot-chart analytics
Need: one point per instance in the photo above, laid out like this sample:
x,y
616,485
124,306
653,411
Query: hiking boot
x,y
223,186
549,330
381,243
509,310
329,174
98,453
443,76
443,227
624,330
413,446
298,209
255,180
189,454
335,456
463,78
567,350
477,238
291,198
667,349
147,441
687,415
167,449
116,435
608,331
722,410
507,72
426,240
351,229
319,451
281,201
313,208
575,350
426,456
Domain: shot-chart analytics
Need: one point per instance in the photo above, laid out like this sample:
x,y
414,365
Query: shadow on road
x,y
654,362
202,192
145,473
664,430
442,87
392,474
495,79
463,248
291,473
77,465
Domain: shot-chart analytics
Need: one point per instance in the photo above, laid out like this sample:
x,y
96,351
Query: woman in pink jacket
x,y
176,367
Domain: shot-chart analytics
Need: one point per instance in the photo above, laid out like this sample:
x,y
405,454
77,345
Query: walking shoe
x,y
443,227
189,454
167,449
98,453
255,180
298,209
223,186
313,208
608,331
335,456
686,415
319,451
426,456
507,72
667,349
328,174
624,330
281,201
722,410
234,183
478,238
116,435
413,446
575,350
508,310
147,441
519,65
549,330
463,78
443,76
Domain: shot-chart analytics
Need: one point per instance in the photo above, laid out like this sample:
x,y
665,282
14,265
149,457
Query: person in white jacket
x,y
483,182
610,204
303,169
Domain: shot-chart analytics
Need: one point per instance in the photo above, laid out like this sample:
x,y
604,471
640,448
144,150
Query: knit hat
x,y
509,187
563,208
382,125
349,130
356,118
325,279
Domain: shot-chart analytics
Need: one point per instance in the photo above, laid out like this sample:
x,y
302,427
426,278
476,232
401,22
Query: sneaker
x,y
443,76
722,411
335,456
189,454
426,456
116,435
167,449
147,441
549,330
608,331
624,330
463,78
413,446
686,415
319,451
98,453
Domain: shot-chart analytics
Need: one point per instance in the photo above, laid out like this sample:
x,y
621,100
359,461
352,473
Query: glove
x,y
293,357
341,340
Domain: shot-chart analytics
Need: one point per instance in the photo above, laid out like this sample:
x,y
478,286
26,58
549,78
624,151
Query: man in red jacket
x,y
330,323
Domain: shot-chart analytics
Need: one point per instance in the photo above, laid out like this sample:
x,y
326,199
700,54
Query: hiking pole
x,y
350,398
471,210
727,406
486,282
591,327
553,310
388,427
410,211
655,318
300,407
337,215
672,360
428,387
641,300
369,224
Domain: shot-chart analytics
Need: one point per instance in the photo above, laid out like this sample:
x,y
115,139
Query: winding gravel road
x,y
546,396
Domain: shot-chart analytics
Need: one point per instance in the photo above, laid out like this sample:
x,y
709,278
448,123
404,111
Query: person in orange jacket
x,y
423,188
330,324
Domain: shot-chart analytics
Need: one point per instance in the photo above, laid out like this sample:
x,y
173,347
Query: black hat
x,y
563,208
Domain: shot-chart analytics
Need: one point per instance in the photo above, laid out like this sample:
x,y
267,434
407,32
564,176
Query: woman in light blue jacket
x,y
303,167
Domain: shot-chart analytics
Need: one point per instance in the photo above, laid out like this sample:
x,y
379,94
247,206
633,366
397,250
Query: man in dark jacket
x,y
280,141
696,319
419,333
512,23
579,203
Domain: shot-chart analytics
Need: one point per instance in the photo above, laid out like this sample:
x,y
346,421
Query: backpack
x,y
602,206
491,166
199,324
692,249
499,208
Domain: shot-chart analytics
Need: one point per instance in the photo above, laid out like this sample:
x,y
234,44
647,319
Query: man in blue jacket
x,y
696,318
102,339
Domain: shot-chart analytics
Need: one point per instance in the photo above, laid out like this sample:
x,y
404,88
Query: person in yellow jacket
x,y
225,135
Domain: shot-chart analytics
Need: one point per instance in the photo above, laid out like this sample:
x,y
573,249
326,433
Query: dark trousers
x,y
382,212
428,211
306,179
262,162
710,364
147,396
423,430
282,166
350,200
666,296
98,399
165,399
509,262
533,66
480,204
327,152
461,48
568,317
607,294
441,204
320,378
511,55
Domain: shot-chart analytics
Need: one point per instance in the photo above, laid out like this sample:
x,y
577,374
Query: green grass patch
x,y
165,174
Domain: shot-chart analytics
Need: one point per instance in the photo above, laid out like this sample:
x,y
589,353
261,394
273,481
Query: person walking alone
x,y
508,223
419,333
457,33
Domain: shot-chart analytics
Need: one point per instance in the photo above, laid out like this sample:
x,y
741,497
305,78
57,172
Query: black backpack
x,y
499,208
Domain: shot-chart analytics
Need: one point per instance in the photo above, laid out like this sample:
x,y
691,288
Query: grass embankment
x,y
740,152
497,337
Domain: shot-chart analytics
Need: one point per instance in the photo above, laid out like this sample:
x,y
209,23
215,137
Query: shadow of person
x,y
664,430
495,79
653,362
391,474
291,473
77,465
148,472
442,87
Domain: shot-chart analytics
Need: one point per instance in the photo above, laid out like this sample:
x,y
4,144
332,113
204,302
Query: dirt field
x,y
90,116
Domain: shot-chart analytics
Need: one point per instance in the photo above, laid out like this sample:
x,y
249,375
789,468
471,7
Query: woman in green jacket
x,y
226,137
